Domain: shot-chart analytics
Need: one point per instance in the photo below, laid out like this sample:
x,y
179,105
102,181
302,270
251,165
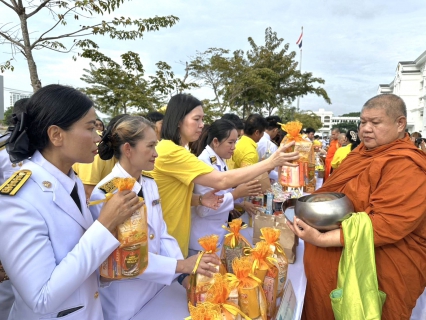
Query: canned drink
x,y
130,258
258,201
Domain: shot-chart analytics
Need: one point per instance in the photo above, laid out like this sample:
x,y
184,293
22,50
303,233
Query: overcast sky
x,y
352,45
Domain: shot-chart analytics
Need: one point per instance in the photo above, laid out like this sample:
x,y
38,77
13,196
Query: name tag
x,y
155,202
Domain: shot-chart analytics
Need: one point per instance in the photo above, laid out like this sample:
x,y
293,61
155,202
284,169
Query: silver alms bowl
x,y
323,211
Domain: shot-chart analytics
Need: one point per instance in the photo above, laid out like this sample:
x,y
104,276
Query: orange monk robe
x,y
334,145
389,183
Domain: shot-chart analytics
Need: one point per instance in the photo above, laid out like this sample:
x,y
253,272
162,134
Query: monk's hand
x,y
313,236
305,232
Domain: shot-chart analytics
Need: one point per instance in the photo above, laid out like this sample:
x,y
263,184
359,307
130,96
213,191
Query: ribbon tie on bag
x,y
233,236
234,310
107,197
200,255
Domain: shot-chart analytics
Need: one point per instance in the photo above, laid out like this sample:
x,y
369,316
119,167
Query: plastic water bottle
x,y
269,199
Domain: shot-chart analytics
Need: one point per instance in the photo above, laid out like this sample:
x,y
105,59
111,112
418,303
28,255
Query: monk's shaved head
x,y
391,103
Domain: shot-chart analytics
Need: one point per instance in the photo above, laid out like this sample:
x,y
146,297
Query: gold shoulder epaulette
x,y
147,174
15,182
108,187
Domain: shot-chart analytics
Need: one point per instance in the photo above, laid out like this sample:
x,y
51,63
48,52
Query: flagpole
x,y
300,69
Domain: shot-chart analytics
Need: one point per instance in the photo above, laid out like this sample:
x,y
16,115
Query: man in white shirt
x,y
265,147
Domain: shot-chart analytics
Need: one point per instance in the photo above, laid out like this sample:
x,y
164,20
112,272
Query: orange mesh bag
x,y
130,259
266,269
251,297
199,284
234,243
296,177
225,293
271,237
204,311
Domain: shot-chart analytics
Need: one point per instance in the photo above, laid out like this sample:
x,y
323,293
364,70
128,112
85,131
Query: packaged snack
x,y
251,297
199,284
234,243
265,268
271,237
130,259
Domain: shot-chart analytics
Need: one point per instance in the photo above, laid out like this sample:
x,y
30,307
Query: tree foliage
x,y
116,88
16,33
346,126
351,114
259,80
307,118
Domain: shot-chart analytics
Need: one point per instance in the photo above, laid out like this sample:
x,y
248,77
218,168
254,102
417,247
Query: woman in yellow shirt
x,y
342,152
176,169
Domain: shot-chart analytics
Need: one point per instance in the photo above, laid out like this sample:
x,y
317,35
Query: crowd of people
x,y
193,178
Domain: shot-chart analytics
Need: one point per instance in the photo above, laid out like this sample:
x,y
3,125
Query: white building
x,y
15,96
410,84
329,121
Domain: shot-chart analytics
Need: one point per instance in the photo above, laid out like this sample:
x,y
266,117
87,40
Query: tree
x,y
117,87
307,118
208,67
346,126
256,81
17,35
351,114
281,81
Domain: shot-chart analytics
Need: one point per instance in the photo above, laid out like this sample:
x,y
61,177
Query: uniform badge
x,y
108,187
15,182
213,160
155,202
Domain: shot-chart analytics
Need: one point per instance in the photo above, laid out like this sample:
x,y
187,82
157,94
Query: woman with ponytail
x,y
353,141
132,140
177,170
217,144
50,245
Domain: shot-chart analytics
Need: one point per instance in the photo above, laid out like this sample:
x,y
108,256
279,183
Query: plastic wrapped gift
x,y
233,244
199,284
251,297
130,259
271,237
265,268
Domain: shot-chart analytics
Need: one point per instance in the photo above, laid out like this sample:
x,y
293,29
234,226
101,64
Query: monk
x,y
386,178
334,144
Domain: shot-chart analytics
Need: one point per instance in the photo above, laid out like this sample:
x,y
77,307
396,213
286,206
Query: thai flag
x,y
299,42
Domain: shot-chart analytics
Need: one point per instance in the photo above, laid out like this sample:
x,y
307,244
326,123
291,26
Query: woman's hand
x,y
211,199
249,207
206,267
117,209
313,236
283,158
252,188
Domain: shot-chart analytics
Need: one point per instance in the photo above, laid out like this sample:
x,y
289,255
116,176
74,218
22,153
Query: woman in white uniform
x,y
132,141
50,246
217,144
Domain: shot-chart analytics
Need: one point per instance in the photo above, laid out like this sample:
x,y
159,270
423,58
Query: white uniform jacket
x,y
6,293
265,144
7,168
122,299
51,250
206,221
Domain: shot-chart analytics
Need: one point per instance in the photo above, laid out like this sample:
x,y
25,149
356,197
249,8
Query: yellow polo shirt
x,y
340,155
245,153
174,170
93,173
